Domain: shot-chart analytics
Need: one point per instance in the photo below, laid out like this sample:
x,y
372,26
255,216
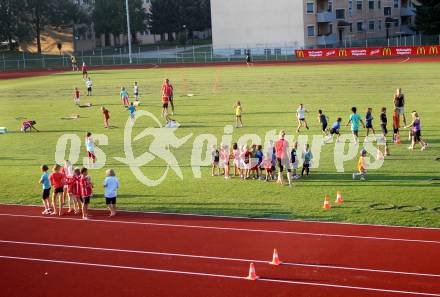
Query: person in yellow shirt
x,y
361,166
74,64
238,112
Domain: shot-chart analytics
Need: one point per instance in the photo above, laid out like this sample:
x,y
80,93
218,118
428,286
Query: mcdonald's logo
x,y
342,52
300,54
421,51
386,51
433,50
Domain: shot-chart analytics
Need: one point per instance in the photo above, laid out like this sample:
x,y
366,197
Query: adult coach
x,y
282,154
399,104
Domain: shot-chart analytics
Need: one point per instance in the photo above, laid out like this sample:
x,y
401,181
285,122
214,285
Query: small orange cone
x,y
275,259
252,274
327,202
397,139
339,197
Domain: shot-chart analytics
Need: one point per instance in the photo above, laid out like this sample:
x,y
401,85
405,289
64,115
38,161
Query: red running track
x,y
150,254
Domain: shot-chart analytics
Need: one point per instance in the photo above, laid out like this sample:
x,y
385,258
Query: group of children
x,y
75,186
252,162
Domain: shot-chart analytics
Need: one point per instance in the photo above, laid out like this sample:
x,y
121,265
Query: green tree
x,y
428,17
54,13
14,25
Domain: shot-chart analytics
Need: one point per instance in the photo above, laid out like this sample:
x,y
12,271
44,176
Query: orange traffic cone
x,y
397,139
339,197
252,274
275,259
327,202
379,155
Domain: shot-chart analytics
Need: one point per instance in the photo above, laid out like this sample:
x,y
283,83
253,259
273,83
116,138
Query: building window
x,y
360,26
340,14
396,3
371,26
310,7
396,22
351,27
359,4
310,31
371,4
330,29
330,5
379,24
387,11
350,7
379,4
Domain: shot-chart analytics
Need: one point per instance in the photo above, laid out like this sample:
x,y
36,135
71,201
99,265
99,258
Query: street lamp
x,y
186,34
128,32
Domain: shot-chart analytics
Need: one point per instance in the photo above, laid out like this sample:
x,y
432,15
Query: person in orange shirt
x,y
57,180
167,92
361,166
396,124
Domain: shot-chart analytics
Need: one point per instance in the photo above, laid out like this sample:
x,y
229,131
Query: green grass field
x,y
269,96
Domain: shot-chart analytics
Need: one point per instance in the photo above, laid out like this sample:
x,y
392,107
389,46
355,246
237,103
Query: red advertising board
x,y
364,52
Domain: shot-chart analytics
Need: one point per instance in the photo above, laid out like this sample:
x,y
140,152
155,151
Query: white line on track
x,y
404,61
244,218
227,229
220,276
214,258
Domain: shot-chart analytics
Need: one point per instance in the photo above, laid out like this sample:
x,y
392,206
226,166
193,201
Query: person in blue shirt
x,y
259,155
132,110
369,120
334,130
111,186
355,119
45,182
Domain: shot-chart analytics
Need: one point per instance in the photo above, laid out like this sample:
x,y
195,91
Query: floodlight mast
x,y
128,32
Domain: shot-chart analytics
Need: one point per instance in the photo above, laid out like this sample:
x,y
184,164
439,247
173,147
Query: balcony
x,y
325,17
326,39
407,11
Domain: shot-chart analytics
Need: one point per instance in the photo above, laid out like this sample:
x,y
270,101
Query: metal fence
x,y
20,61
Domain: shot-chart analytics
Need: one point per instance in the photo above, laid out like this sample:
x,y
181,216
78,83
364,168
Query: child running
x,y
86,192
90,147
238,113
369,121
354,120
132,110
308,156
334,130
301,117
106,115
323,120
417,132
111,186
45,182
361,166
57,180
76,96
124,96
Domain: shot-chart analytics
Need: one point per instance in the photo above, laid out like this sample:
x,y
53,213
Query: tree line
x,y
25,20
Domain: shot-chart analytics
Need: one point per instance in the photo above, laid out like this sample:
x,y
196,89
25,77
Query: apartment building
x,y
341,21
286,24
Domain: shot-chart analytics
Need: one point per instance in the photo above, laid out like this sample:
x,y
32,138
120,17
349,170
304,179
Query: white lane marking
x,y
226,229
245,218
214,258
219,276
404,61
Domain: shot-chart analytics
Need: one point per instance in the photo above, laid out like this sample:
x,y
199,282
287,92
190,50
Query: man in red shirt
x,y
281,150
84,71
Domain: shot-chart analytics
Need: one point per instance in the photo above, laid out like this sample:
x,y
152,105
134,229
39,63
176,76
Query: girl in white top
x,y
300,115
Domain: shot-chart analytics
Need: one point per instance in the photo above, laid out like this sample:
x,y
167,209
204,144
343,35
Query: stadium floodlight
x,y
128,32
